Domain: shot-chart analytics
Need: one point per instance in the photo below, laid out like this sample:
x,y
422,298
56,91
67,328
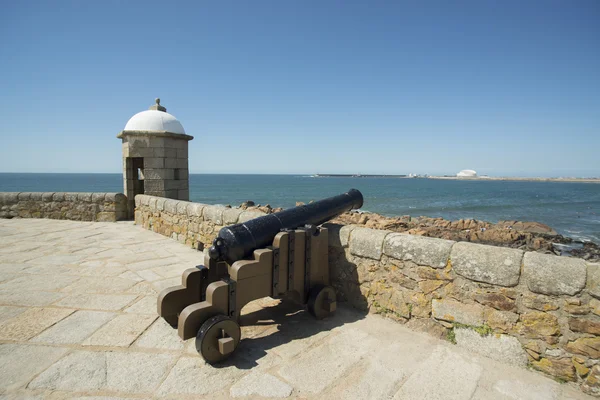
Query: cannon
x,y
284,254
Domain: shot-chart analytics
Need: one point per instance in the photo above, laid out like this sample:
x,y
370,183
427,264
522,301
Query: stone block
x,y
560,368
157,142
165,152
183,194
71,197
454,311
502,321
98,197
171,163
106,216
159,173
195,209
11,198
47,197
418,249
182,207
58,196
365,242
589,347
502,348
177,143
593,279
138,200
154,185
172,184
339,235
496,300
160,203
496,265
24,196
85,197
231,215
171,206
553,275
36,196
145,152
592,382
248,215
584,325
184,174
182,153
536,324
214,214
152,162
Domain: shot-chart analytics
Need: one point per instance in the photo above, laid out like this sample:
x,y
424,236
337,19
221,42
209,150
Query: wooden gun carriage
x,y
275,255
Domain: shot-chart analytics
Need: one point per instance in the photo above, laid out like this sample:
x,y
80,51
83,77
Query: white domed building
x,y
467,173
155,156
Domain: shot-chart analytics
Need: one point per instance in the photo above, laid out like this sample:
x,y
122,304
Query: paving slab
x,y
107,302
19,363
445,375
121,331
260,384
78,371
7,312
192,376
145,305
31,298
32,322
136,372
322,366
160,335
75,328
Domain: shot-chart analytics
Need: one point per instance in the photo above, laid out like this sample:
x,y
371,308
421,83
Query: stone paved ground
x,y
78,321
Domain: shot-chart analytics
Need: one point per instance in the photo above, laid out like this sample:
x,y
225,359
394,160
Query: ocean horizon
x,y
571,208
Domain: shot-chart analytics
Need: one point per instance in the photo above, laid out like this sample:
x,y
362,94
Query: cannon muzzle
x,y
238,241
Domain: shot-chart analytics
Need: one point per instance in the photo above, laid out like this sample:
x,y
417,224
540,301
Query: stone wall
x,y
102,207
194,224
524,308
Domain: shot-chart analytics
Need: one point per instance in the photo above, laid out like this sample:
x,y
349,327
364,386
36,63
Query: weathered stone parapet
x,y
101,207
471,293
194,224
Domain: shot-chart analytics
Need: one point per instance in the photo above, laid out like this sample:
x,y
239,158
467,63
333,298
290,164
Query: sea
x,y
571,208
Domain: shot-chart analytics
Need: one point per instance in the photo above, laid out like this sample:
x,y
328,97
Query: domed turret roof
x,y
156,119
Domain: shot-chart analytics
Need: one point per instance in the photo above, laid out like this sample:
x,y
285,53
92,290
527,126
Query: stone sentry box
x,y
155,156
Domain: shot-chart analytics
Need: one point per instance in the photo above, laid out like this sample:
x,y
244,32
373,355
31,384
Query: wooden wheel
x,y
321,301
217,338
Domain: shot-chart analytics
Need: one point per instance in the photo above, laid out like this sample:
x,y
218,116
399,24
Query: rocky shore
x,y
524,235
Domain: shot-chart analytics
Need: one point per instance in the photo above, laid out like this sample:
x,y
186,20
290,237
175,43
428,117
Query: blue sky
x,y
502,87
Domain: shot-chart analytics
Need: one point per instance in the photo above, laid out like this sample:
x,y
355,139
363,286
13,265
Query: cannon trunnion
x,y
277,255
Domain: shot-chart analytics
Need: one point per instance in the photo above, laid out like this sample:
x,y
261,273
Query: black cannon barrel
x,y
238,241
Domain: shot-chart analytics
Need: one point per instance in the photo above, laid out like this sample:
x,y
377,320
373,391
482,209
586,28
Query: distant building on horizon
x,y
467,173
